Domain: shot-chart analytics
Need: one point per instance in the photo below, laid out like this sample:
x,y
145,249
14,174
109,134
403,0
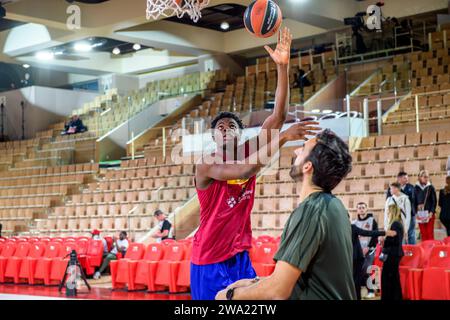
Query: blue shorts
x,y
207,280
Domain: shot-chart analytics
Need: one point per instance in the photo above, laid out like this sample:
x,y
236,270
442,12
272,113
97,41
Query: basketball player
x,y
226,190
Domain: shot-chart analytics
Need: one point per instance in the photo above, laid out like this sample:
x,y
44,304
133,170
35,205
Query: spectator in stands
x,y
400,200
407,189
74,126
426,201
120,246
367,244
96,236
300,81
164,226
444,204
391,255
314,259
359,256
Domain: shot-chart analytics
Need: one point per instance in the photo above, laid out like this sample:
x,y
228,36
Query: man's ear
x,y
308,167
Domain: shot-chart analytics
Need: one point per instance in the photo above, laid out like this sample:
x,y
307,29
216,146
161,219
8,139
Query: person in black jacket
x,y
358,256
75,125
426,202
444,204
392,253
407,189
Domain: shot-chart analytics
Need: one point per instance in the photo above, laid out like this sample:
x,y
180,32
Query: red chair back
x,y
265,253
135,251
174,252
414,256
109,243
8,249
70,239
265,239
439,257
22,249
168,241
95,248
52,250
83,238
428,246
154,252
67,248
37,249
82,246
45,239
57,239
34,239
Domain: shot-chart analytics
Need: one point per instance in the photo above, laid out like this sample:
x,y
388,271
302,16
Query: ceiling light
x,y
315,110
137,46
116,51
327,111
224,25
26,65
82,46
45,55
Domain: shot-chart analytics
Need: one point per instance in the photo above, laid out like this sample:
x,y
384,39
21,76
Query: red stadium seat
x,y
13,263
142,273
29,263
59,264
120,268
413,258
434,280
428,247
263,262
168,267
8,251
183,281
446,241
82,247
93,257
43,264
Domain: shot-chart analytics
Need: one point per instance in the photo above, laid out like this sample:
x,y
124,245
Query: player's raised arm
x,y
281,56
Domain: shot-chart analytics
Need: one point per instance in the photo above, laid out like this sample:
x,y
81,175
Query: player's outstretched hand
x,y
299,130
282,53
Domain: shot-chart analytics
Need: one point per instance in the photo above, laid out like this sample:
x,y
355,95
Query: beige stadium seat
x,y
444,136
412,167
429,137
382,141
392,168
72,224
120,223
91,211
425,152
95,223
444,150
413,138
433,166
368,156
367,143
80,211
287,204
270,204
102,210
398,140
388,154
377,185
270,189
406,153
61,224
146,223
357,186
372,170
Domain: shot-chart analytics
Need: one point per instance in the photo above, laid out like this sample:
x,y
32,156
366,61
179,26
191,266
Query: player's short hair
x,y
331,160
362,204
396,185
227,114
157,213
401,174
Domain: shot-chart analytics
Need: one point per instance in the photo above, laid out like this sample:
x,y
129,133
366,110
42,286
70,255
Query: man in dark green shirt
x,y
314,260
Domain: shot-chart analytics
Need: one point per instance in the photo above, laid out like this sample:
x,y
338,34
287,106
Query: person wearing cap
x,y
96,236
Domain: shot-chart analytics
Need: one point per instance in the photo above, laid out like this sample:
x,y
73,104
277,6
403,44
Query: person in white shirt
x,y
120,246
400,200
164,227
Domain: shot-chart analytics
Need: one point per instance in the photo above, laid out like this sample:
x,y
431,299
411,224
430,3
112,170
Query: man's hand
x,y
391,233
282,53
241,283
299,131
222,295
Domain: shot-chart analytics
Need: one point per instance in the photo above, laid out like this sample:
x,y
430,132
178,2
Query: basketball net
x,y
168,8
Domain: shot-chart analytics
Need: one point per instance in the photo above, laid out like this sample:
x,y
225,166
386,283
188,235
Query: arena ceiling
x,y
42,25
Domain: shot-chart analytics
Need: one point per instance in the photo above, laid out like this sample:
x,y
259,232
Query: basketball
x,y
263,18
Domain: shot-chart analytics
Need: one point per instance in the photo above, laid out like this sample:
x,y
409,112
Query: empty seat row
x,y
405,139
404,153
154,182
55,170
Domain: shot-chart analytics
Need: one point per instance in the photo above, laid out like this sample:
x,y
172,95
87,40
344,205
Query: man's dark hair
x,y
401,174
226,114
362,204
396,185
124,233
331,160
157,213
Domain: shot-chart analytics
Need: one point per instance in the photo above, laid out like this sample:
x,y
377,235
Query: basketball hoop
x,y
168,8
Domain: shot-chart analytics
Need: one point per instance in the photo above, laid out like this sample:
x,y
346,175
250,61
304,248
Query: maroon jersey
x,y
225,226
